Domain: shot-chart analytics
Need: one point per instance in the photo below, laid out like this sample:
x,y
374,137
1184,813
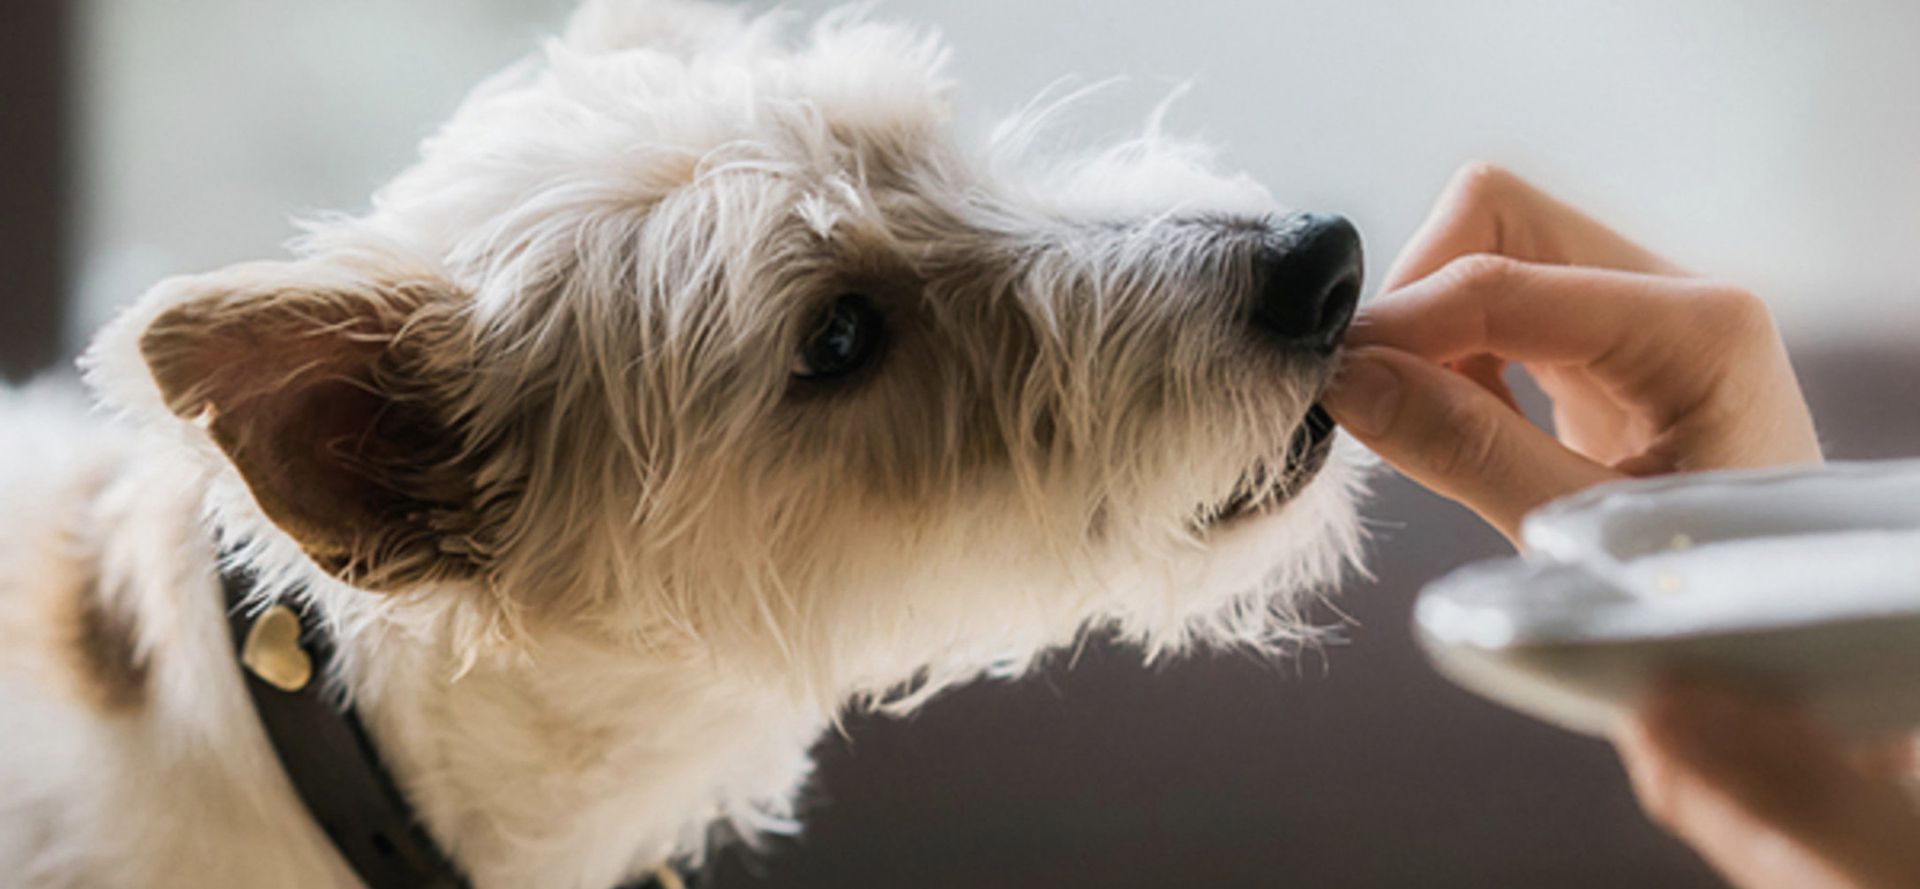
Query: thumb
x,y
1449,434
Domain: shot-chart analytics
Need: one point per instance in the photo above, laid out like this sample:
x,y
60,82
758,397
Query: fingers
x,y
1767,797
1449,434
1486,209
1658,337
1749,853
1489,372
1525,311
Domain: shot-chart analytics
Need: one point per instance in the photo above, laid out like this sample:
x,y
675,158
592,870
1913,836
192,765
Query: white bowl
x,y
1804,583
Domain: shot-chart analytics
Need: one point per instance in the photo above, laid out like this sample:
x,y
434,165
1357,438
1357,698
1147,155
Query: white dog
x,y
695,386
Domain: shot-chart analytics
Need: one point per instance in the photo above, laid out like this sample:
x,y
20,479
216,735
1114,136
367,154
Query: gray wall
x,y
1770,141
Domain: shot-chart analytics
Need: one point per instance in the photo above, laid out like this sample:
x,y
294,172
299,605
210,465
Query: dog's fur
x,y
601,568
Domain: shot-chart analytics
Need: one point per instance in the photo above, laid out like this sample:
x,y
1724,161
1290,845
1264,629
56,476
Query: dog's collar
x,y
284,654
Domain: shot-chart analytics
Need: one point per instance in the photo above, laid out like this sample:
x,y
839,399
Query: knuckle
x,y
1656,785
1659,796
1483,180
1736,310
1481,271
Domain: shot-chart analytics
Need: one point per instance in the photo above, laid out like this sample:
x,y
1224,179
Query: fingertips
x,y
1392,320
1528,312
1447,433
1441,315
1365,398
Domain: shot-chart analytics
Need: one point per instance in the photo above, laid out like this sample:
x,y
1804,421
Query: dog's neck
x,y
575,766
573,763
566,764
563,764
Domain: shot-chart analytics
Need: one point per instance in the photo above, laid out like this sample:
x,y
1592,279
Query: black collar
x,y
333,764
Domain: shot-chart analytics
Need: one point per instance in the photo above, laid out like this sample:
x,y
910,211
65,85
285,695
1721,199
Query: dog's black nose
x,y
1310,282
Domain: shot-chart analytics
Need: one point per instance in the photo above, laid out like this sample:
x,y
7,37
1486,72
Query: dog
x,y
696,386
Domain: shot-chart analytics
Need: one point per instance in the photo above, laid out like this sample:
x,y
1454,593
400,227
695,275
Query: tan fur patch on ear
x,y
330,406
212,367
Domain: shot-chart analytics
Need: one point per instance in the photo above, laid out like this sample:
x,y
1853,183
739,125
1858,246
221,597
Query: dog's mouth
x,y
1266,486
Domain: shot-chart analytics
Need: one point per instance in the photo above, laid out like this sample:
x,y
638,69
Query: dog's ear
x,y
332,392
678,27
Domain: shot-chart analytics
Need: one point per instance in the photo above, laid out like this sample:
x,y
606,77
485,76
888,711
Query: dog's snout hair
x,y
698,382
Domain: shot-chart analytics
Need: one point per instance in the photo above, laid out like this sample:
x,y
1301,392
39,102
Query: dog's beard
x,y
1271,481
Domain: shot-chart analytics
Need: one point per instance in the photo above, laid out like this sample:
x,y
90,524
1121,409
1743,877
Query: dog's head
x,y
707,342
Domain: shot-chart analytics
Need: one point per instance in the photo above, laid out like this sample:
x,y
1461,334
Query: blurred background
x,y
1769,142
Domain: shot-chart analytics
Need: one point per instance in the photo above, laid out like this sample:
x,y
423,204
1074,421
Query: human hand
x,y
1650,370
1768,798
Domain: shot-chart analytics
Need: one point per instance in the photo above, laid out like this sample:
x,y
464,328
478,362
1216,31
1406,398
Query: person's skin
x,y
1650,371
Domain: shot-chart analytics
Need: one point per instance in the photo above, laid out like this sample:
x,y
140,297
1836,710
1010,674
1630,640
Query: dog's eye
x,y
846,338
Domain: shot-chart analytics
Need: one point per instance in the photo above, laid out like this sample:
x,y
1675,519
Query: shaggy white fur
x,y
603,556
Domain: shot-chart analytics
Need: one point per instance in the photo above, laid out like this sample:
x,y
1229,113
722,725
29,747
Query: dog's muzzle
x,y
1309,287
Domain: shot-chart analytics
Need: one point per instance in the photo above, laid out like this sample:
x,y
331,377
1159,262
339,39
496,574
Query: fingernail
x,y
1364,397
